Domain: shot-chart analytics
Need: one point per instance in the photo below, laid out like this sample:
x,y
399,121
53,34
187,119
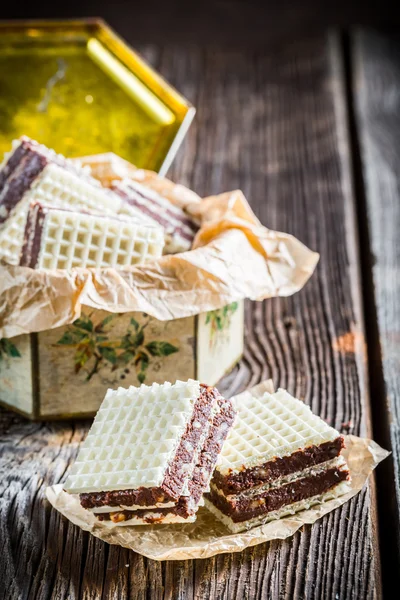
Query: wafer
x,y
33,172
144,203
150,453
57,238
279,458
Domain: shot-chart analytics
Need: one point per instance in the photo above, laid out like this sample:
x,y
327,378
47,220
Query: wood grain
x,y
376,89
271,124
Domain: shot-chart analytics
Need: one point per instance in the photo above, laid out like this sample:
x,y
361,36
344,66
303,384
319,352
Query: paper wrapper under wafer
x,y
234,257
207,536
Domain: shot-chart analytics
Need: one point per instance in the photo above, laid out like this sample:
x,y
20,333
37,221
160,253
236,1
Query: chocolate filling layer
x,y
235,482
17,177
33,236
140,497
22,168
176,473
175,222
146,514
222,423
243,509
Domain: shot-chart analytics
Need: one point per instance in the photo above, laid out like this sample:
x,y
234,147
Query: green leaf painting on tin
x,y
220,322
7,348
160,348
95,346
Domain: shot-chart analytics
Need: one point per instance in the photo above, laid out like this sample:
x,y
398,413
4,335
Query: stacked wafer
x,y
57,238
32,173
150,453
279,458
140,201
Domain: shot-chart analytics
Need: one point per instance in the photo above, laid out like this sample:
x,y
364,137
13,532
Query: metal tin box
x,y
75,86
65,372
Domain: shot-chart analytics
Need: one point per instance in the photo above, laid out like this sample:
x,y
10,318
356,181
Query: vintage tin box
x,y
78,88
65,372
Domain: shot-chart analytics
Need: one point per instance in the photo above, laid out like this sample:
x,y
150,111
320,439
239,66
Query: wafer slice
x,y
57,238
33,172
278,459
141,202
150,453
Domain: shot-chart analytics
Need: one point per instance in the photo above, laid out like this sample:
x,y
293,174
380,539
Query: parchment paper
x,y
234,257
207,536
109,167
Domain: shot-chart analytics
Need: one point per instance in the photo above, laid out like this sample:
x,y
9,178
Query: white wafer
x,y
159,518
72,239
55,187
49,152
12,236
133,438
63,184
272,426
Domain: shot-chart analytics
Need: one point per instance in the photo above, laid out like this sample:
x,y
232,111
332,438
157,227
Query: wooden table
x,y
311,133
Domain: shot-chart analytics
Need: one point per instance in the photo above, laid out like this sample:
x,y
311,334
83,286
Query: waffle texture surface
x,y
61,187
73,239
12,235
58,186
275,425
133,438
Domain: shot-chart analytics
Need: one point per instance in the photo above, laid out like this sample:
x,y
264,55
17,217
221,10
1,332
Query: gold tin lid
x,y
78,88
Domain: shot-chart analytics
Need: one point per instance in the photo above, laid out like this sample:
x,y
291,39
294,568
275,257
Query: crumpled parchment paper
x,y
207,536
233,257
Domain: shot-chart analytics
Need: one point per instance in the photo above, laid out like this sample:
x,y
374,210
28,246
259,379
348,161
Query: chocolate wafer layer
x,y
238,481
287,510
143,203
162,443
32,172
277,456
192,493
57,238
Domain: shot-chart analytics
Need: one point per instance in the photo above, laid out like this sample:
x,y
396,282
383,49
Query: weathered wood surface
x,y
376,84
271,124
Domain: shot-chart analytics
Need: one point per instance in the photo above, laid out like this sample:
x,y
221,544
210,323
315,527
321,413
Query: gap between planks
x,y
388,516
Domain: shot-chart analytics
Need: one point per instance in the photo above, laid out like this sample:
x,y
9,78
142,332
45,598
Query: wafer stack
x,y
279,459
32,172
57,238
142,202
150,453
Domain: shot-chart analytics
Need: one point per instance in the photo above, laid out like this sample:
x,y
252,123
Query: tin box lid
x,y
78,88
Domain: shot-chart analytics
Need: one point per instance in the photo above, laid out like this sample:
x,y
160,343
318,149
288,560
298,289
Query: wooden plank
x,y
272,124
376,89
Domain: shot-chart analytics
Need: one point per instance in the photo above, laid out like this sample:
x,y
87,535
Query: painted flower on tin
x,y
95,347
